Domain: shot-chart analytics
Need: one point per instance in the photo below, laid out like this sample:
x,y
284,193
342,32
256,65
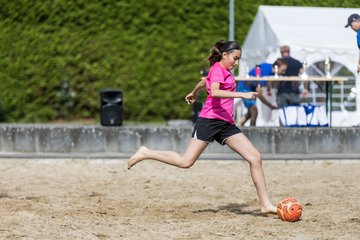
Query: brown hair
x,y
279,62
284,49
220,47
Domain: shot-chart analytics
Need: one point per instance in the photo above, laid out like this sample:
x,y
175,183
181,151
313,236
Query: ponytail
x,y
220,47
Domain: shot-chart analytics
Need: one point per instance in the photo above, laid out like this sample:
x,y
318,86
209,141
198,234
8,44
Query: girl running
x,y
216,122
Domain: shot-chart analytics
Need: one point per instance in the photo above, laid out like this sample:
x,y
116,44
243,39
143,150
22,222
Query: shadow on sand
x,y
233,208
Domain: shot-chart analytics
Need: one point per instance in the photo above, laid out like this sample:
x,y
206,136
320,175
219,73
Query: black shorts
x,y
208,130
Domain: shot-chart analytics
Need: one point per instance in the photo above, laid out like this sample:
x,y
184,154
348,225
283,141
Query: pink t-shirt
x,y
219,108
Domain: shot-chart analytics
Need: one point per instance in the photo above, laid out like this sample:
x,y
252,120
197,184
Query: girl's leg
x,y
244,118
253,115
242,145
186,160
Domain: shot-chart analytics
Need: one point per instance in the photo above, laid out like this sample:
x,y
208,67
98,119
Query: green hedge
x,y
56,55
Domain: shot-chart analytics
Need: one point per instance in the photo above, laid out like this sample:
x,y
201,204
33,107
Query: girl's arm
x,y
216,92
260,91
191,97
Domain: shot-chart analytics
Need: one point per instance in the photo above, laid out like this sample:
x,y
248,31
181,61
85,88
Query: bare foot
x,y
137,157
270,209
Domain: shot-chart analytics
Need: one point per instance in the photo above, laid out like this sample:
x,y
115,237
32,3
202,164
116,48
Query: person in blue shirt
x,y
354,23
267,69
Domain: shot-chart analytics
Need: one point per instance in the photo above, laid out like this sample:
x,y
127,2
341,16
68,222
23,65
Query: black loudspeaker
x,y
111,102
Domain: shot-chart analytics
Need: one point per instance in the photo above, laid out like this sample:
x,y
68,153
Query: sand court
x,y
101,199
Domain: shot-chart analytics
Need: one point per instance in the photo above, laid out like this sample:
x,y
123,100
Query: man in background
x,y
288,92
354,23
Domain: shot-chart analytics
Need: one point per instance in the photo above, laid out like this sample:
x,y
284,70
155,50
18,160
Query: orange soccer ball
x,y
289,209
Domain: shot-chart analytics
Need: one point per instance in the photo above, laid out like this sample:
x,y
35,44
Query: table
x,y
328,90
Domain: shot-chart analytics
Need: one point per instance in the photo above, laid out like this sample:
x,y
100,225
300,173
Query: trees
x,y
152,50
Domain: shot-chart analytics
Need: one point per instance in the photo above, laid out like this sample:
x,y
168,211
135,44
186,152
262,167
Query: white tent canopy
x,y
312,33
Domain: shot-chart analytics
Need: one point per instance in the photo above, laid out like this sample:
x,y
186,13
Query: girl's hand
x,y
250,95
305,93
272,107
190,98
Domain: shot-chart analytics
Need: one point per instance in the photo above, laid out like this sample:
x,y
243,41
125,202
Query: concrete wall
x,y
113,142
